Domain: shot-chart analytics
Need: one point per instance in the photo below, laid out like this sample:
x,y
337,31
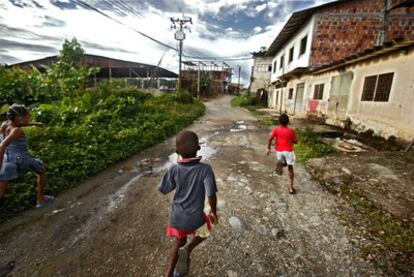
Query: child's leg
x,y
194,242
3,187
41,180
291,176
172,259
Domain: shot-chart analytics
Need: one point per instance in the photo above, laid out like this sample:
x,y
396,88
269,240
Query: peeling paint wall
x,y
395,117
260,77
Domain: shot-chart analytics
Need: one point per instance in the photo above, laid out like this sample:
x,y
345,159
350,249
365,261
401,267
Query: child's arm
x,y
37,124
14,134
269,144
167,183
212,201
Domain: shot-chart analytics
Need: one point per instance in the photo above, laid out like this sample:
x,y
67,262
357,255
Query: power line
x,y
88,6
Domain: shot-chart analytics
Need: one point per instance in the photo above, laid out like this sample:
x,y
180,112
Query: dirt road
x,y
115,224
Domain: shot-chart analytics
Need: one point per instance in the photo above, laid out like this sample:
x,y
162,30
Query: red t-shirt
x,y
284,138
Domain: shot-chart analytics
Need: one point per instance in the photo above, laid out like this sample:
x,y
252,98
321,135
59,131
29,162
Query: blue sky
x,y
33,29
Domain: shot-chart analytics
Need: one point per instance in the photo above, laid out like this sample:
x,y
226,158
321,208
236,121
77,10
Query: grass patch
x,y
310,146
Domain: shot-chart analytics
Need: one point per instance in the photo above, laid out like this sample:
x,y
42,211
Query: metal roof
x,y
120,68
295,22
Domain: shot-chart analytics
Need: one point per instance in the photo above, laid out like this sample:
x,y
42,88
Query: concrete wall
x,y
315,106
260,79
351,27
395,117
298,61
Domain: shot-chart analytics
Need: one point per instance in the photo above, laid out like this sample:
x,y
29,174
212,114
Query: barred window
x,y
318,91
303,43
383,87
369,88
282,61
274,66
377,87
291,51
290,93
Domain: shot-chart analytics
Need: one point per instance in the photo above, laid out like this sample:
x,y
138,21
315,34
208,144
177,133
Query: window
x,y
291,51
318,91
369,88
290,93
377,87
303,43
282,60
269,68
274,66
262,68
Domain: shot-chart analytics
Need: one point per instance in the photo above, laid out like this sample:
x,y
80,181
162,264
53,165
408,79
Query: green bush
x,y
310,146
91,130
243,101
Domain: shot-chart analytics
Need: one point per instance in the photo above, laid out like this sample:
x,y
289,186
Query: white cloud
x,y
261,7
257,29
90,27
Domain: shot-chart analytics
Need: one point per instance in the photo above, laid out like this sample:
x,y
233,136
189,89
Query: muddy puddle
x,y
238,126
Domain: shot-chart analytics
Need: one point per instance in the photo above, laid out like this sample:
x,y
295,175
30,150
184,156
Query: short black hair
x,y
284,119
187,144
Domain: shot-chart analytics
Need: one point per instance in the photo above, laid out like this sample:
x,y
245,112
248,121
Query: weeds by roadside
x,y
397,239
310,146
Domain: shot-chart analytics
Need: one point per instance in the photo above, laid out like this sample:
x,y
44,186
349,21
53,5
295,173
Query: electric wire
x,y
89,6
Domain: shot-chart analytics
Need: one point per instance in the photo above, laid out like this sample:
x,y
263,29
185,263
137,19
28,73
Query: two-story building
x,y
260,76
338,33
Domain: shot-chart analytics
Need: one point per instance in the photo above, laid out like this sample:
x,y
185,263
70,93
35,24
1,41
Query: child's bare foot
x,y
279,167
45,200
183,262
292,191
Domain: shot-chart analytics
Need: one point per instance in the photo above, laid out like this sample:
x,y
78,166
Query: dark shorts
x,y
16,167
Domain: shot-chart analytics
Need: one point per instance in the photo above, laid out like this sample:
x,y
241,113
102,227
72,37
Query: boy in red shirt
x,y
285,137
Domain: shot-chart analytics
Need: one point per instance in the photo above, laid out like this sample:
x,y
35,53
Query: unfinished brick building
x,y
344,28
335,34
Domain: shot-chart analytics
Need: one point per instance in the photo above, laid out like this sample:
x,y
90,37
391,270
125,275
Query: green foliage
x,y
71,53
33,87
310,146
92,129
18,86
205,79
67,74
243,101
184,97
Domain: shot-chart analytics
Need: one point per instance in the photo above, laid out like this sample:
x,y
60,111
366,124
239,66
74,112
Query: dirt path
x,y
115,224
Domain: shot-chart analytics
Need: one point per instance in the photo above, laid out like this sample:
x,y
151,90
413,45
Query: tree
x,y
205,81
71,53
68,73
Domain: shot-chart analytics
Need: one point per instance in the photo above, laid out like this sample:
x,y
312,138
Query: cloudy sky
x,y
33,29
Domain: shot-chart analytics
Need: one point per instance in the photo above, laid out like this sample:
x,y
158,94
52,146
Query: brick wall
x,y
354,26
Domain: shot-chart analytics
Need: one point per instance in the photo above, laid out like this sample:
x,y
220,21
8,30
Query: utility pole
x,y
238,86
180,25
198,81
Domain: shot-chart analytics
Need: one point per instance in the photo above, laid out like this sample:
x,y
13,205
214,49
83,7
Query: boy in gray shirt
x,y
192,180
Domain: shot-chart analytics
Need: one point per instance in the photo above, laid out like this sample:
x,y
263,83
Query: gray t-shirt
x,y
192,181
